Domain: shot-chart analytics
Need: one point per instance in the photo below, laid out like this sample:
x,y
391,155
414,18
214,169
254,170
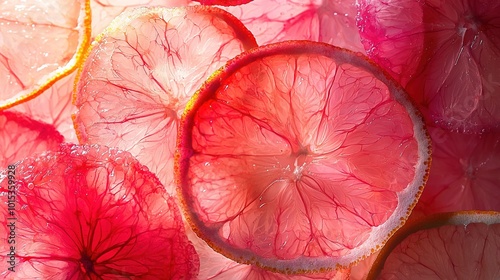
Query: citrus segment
x,y
21,136
142,71
300,156
89,212
464,173
445,53
463,245
40,43
329,21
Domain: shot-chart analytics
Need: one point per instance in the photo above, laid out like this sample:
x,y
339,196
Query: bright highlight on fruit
x,y
89,212
459,245
40,44
300,156
142,71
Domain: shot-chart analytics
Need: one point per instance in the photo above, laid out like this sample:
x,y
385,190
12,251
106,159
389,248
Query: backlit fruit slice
x,y
444,52
89,212
300,156
328,21
142,71
464,174
462,245
21,136
40,42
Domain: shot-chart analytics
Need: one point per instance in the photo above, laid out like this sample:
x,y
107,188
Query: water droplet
x,y
31,186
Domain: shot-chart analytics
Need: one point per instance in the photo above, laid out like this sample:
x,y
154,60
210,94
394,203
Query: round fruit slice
x,y
40,43
89,212
21,136
464,173
445,53
328,21
462,245
300,156
142,71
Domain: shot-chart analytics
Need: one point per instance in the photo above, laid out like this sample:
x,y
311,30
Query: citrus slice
x,y
142,71
328,21
462,245
21,136
89,212
300,156
464,173
445,53
40,43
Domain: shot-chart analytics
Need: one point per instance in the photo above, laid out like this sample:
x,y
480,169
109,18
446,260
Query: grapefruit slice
x,y
300,156
445,53
40,43
462,245
328,21
21,136
89,212
464,173
142,71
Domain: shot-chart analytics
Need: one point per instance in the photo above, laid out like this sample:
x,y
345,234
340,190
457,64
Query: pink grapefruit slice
x,y
141,72
464,173
300,156
89,212
21,136
461,245
445,53
328,21
40,43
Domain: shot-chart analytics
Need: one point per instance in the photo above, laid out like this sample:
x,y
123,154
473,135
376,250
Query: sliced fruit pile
x,y
293,159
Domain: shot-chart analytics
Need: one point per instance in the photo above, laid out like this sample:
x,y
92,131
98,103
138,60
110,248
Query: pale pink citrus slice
x,y
21,136
142,71
462,245
464,174
444,52
89,212
328,21
300,156
40,42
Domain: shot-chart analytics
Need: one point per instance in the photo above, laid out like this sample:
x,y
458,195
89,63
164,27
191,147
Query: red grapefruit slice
x,y
21,136
89,212
39,44
300,156
445,53
328,21
142,71
464,173
463,245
